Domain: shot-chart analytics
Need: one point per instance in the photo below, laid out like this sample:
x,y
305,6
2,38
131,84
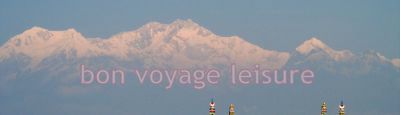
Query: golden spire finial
x,y
323,108
231,109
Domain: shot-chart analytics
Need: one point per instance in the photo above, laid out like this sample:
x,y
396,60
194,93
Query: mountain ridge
x,y
181,40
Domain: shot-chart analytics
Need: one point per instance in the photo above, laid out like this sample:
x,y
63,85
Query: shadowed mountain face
x,y
40,74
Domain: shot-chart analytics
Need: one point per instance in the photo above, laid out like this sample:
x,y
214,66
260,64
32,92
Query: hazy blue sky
x,y
358,25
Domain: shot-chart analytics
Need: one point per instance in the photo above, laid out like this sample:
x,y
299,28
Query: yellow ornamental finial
x,y
212,107
323,108
341,108
231,109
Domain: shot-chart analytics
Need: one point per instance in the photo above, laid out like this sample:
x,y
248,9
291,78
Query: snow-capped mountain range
x,y
41,66
313,53
182,43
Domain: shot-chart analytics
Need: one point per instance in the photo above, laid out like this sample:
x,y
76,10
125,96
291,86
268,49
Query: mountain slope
x,y
313,45
182,43
313,53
